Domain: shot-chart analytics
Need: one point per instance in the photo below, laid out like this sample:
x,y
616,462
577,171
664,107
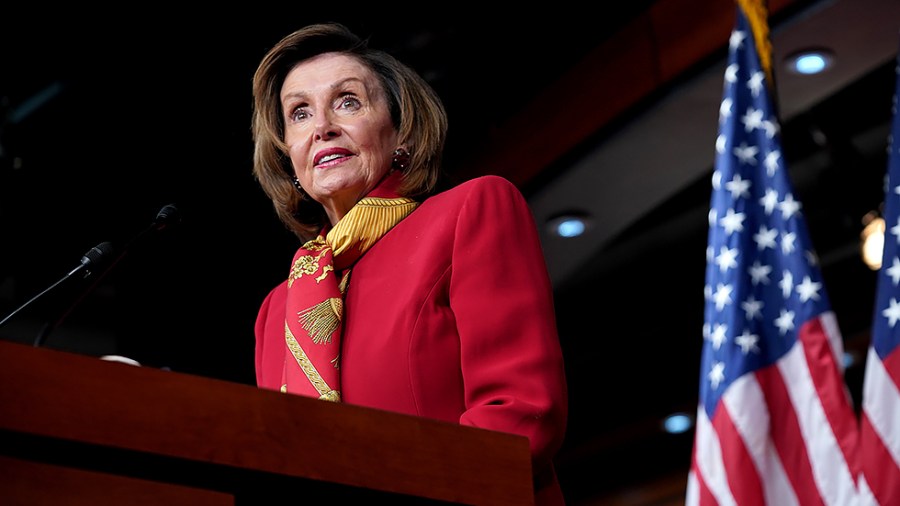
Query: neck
x,y
386,188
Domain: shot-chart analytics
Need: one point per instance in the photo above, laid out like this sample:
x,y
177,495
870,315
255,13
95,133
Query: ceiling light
x,y
810,61
570,224
677,423
571,227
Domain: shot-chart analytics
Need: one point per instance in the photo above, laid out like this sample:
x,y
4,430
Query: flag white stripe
x,y
835,339
866,497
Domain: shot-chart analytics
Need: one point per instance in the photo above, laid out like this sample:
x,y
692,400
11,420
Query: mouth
x,y
331,157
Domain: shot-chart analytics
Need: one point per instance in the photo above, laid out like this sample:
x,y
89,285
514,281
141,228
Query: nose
x,y
326,127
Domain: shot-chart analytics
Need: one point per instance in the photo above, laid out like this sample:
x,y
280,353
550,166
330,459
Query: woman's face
x,y
338,130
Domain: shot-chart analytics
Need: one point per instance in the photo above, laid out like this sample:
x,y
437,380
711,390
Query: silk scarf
x,y
317,282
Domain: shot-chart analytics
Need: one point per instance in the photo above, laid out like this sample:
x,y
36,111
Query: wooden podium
x,y
75,429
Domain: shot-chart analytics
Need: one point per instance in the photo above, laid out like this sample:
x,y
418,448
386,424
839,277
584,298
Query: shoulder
x,y
274,300
484,199
487,183
488,186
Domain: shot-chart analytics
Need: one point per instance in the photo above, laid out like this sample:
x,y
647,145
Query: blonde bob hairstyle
x,y
416,112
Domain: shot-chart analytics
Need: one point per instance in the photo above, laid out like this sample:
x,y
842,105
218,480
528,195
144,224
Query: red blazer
x,y
450,316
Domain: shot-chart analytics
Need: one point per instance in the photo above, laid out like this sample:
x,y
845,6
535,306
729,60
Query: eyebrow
x,y
334,86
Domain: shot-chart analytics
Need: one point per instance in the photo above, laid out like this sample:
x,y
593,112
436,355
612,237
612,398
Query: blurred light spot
x,y
678,423
809,62
570,227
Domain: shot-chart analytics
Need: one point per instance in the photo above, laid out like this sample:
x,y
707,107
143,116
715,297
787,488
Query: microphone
x,y
91,260
167,217
98,260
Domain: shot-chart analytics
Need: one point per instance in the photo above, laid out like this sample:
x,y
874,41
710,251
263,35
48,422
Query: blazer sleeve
x,y
269,332
501,294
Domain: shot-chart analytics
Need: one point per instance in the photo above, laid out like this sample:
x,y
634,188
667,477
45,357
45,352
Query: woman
x,y
435,305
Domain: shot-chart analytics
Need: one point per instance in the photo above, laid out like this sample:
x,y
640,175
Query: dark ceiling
x,y
107,121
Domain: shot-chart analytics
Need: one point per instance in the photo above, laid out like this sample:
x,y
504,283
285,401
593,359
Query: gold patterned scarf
x,y
318,280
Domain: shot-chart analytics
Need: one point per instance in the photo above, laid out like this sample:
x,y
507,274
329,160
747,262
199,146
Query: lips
x,y
331,155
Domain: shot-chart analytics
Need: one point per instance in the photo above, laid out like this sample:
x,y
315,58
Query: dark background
x,y
108,116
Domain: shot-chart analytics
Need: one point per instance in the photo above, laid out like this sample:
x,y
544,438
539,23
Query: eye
x,y
299,114
349,102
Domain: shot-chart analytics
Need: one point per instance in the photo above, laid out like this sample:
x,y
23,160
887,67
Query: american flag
x,y
775,422
880,420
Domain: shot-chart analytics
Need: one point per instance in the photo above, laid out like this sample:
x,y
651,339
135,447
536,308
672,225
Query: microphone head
x,y
97,254
168,215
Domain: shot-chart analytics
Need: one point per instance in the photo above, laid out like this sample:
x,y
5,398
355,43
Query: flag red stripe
x,y
787,437
892,366
706,497
743,477
881,472
831,389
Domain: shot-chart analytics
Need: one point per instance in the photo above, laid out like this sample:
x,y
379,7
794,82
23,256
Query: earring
x,y
400,161
297,185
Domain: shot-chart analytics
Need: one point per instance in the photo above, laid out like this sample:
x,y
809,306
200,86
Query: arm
x,y
269,333
502,297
